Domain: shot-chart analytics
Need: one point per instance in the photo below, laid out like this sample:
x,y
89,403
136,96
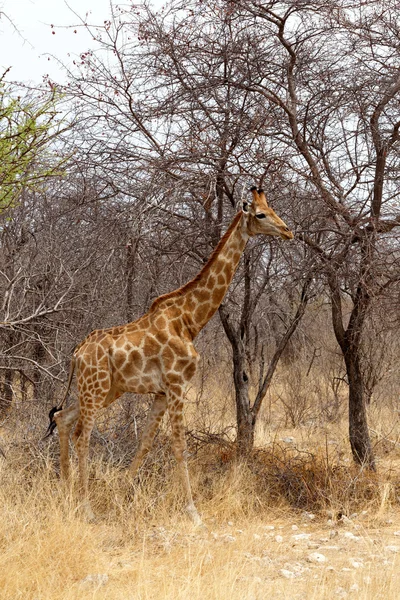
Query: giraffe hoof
x,y
87,513
194,516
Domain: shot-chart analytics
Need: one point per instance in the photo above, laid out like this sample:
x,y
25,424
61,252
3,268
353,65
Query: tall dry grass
x,y
143,546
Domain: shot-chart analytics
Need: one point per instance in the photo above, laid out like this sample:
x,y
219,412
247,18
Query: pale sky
x,y
26,50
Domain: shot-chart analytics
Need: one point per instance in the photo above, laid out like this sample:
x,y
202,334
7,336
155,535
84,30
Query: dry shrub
x,y
286,477
306,481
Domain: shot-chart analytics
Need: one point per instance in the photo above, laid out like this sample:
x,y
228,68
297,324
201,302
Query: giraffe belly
x,y
141,385
137,379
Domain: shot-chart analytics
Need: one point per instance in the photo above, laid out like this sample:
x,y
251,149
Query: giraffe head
x,y
260,218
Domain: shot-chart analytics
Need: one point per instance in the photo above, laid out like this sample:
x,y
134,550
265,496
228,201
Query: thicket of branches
x,y
175,116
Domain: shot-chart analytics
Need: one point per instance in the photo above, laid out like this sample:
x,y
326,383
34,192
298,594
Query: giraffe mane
x,y
192,283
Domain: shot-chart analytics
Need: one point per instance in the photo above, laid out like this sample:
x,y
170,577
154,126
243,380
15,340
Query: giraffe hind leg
x,y
65,420
81,439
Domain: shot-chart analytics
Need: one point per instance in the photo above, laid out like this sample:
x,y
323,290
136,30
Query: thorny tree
x,y
334,88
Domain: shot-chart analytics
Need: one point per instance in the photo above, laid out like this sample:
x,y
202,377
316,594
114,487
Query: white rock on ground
x,y
350,536
301,536
356,564
316,558
287,574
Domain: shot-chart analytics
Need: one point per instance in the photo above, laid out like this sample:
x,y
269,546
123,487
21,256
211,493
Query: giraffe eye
x,y
260,216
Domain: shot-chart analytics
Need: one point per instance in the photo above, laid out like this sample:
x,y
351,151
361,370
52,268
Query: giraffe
x,y
155,354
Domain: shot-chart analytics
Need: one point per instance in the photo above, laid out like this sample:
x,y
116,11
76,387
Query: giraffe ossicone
x,y
155,354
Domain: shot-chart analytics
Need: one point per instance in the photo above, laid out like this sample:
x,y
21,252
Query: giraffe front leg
x,y
153,421
175,409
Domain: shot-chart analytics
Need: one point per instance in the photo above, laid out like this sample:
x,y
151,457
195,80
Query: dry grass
x,y
143,546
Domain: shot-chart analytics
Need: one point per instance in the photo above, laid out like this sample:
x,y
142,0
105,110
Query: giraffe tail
x,y
53,423
56,409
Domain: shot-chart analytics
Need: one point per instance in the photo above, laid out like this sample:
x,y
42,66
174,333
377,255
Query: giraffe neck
x,y
203,295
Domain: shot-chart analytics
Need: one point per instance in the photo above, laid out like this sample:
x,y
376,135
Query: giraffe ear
x,y
245,207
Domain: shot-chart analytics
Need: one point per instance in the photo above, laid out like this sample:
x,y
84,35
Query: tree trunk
x,y
358,426
244,415
349,341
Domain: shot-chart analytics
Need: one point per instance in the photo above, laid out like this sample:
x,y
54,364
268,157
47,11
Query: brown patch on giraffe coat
x,y
177,324
101,335
200,314
168,357
143,323
178,348
220,265
181,363
119,359
136,358
211,281
154,363
202,295
221,279
105,343
175,390
217,295
132,385
151,347
84,371
175,410
189,305
160,322
189,371
229,271
129,369
174,378
162,337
